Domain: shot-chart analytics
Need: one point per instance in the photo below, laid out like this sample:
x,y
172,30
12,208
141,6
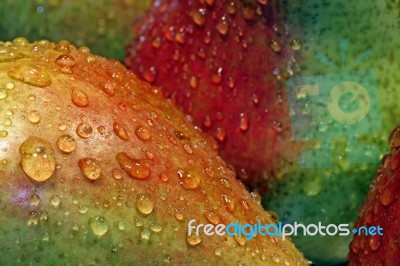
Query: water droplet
x,y
216,78
99,225
256,197
212,217
193,82
180,135
90,59
120,131
144,203
210,171
156,228
188,148
295,44
31,75
244,122
275,46
156,43
138,222
46,236
220,134
276,258
207,122
35,200
109,88
150,74
44,216
79,98
145,234
249,13
149,155
178,215
101,130
90,168
188,180
7,122
10,85
241,240
65,60
116,173
83,209
180,37
374,243
193,239
33,218
388,195
121,226
199,16
3,133
55,201
3,94
312,186
394,138
164,177
31,97
223,26
225,182
277,126
84,49
34,117
37,159
106,204
228,203
63,46
133,167
231,8
66,143
210,2
84,130
142,133
286,261
231,83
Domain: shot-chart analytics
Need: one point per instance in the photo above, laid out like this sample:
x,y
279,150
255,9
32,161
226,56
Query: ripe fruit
x,y
232,83
222,62
97,168
103,25
382,208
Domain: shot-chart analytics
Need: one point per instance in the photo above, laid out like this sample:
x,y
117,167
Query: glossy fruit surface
x,y
221,62
98,168
380,210
210,60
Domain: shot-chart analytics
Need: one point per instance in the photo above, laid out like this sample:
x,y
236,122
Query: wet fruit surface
x,y
111,173
227,64
382,208
224,64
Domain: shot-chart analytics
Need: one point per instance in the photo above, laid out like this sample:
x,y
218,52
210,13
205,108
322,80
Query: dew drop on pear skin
x,y
66,143
99,225
135,168
144,204
37,159
90,168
